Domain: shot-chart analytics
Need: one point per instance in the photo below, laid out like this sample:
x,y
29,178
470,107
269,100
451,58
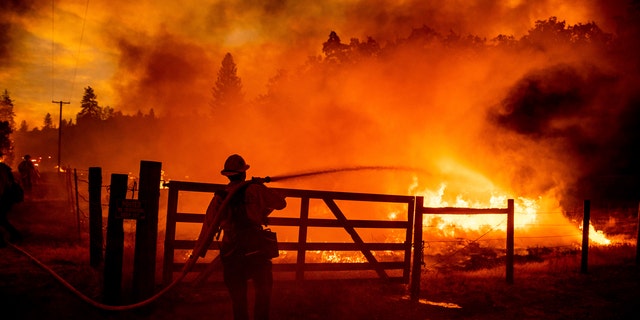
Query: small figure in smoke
x,y
29,174
7,200
242,219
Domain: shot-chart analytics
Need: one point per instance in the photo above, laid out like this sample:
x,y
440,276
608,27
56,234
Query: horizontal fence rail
x,y
417,239
303,222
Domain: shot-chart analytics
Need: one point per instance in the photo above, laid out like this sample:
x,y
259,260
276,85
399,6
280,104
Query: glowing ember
x,y
597,236
447,305
343,257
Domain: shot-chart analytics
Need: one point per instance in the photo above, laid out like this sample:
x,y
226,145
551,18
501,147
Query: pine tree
x,y
107,113
334,50
6,110
6,145
24,127
227,91
48,121
90,110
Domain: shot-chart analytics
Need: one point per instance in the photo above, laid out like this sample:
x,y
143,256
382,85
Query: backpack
x,y
238,218
245,237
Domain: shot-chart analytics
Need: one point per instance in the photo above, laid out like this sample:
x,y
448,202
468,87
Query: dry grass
x,y
550,287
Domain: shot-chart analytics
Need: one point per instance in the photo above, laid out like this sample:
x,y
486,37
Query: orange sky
x,y
446,112
52,50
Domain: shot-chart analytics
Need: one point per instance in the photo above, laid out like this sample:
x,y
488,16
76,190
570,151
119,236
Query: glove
x,y
260,180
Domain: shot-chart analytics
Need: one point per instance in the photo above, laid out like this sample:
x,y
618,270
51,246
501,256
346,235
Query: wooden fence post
x,y
95,216
77,204
510,240
115,241
144,263
585,236
411,212
638,238
417,250
302,238
170,234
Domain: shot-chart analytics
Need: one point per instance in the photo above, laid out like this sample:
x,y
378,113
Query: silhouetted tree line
x,y
94,123
546,34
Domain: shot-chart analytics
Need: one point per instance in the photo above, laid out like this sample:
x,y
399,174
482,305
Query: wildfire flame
x,y
527,216
598,236
538,221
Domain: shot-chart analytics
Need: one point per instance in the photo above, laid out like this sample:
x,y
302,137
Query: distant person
x,y
29,174
242,219
6,203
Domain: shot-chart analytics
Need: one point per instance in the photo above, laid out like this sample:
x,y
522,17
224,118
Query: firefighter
x,y
242,218
7,200
29,174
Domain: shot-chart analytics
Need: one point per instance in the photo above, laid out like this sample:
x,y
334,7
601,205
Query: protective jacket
x,y
245,214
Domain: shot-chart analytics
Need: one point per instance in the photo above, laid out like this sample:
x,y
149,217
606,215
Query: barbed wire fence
x,y
77,183
474,253
469,246
460,252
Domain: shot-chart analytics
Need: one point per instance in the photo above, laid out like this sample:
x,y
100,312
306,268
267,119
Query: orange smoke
x,y
486,99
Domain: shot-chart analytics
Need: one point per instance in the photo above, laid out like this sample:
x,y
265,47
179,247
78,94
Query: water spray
x,y
330,171
200,248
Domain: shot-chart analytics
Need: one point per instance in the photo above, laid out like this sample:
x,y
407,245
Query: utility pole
x,y
60,128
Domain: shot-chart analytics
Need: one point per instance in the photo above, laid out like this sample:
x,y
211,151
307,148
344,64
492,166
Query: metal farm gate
x,y
304,222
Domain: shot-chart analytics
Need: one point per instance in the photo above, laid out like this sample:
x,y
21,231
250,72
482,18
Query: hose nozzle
x,y
266,179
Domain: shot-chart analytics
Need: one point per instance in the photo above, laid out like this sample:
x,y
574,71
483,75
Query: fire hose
x,y
206,233
193,258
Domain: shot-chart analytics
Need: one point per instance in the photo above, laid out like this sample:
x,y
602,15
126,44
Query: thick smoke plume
x,y
584,116
482,95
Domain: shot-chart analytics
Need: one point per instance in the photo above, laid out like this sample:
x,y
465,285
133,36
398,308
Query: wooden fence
x,y
303,222
417,239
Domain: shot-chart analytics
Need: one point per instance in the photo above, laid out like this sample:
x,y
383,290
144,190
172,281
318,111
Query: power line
x,y
52,47
77,55
75,71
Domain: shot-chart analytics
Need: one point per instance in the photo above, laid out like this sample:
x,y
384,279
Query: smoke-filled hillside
x,y
521,106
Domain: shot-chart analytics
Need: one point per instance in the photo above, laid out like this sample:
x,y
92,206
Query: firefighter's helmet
x,y
235,164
